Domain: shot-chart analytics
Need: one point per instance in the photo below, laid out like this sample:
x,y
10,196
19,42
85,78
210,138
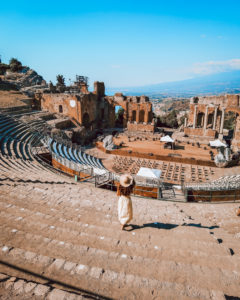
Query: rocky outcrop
x,y
27,81
25,78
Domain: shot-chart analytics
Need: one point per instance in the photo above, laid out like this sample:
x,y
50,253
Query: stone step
x,y
58,246
108,220
78,222
102,229
15,288
19,171
104,281
121,244
94,200
105,242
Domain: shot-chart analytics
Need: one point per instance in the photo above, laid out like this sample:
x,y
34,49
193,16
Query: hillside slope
x,y
227,82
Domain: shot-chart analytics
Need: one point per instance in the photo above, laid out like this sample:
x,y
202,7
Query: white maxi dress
x,y
125,209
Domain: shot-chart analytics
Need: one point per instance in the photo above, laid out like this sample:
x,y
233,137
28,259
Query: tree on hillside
x,y
3,68
61,87
52,87
60,80
172,119
168,120
182,119
15,65
119,117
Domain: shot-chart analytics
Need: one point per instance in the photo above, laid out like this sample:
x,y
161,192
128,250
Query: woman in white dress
x,y
124,190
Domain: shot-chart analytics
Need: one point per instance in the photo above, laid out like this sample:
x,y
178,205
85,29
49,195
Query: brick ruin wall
x,y
135,127
88,109
95,110
207,115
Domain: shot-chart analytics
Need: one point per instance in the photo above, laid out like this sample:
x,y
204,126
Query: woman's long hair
x,y
125,191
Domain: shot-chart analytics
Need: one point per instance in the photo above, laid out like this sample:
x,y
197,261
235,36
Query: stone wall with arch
x,y
99,108
207,115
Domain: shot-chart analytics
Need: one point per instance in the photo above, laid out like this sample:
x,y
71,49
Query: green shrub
x,y
4,68
15,65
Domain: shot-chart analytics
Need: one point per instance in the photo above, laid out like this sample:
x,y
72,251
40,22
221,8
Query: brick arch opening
x,y
200,119
134,115
60,109
141,116
230,122
210,120
86,120
119,116
149,116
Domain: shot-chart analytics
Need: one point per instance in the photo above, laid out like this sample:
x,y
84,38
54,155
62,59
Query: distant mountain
x,y
222,83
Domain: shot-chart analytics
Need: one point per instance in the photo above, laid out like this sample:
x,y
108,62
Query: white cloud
x,y
115,66
211,67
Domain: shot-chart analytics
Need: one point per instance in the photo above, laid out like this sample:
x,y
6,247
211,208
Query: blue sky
x,y
123,43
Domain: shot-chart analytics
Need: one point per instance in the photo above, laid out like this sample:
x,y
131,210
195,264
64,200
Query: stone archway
x,y
149,116
119,116
230,119
134,114
200,119
141,116
210,121
86,120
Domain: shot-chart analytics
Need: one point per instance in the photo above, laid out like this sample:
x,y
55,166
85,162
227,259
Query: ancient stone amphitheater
x,y
61,239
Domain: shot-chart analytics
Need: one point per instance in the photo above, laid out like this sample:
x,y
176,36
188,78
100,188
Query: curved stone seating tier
x,y
77,157
4,119
222,183
72,155
16,158
17,145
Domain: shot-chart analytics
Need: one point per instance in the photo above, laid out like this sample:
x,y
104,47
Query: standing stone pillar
x,y
126,114
195,116
215,118
222,120
185,122
137,114
205,119
146,116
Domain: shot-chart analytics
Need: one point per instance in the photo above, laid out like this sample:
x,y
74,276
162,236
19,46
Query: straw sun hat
x,y
126,180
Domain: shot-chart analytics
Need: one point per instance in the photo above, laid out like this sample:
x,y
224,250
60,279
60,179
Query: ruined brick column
x,y
215,118
137,114
185,122
146,116
205,119
222,120
195,116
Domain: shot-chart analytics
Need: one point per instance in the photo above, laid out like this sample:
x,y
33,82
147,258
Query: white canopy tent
x,y
217,143
150,173
166,139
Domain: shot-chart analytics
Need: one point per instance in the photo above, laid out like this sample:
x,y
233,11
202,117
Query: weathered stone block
x,y
41,290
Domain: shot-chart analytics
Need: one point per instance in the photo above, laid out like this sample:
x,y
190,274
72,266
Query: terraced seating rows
x,y
76,156
221,184
16,159
77,238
